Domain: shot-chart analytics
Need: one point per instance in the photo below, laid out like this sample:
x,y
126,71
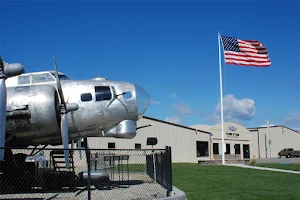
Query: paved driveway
x,y
264,168
278,160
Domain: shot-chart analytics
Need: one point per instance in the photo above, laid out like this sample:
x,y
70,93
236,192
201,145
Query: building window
x,y
202,149
237,148
227,149
111,145
102,93
137,146
86,97
216,148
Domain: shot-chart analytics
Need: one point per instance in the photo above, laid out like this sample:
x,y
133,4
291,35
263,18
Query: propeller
x,y
6,70
64,108
3,96
78,145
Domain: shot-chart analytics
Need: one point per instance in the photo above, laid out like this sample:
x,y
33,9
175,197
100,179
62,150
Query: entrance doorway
x,y
246,150
202,149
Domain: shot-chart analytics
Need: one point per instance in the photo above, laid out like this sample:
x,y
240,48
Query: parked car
x,y
297,153
288,153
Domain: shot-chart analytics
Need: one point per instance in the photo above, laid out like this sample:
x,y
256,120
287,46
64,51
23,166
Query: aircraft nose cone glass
x,y
143,100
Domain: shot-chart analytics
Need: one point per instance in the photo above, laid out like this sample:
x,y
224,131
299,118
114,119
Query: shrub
x,y
252,162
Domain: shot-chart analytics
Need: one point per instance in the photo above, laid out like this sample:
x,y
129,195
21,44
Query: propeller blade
x,y
79,147
65,138
3,95
58,83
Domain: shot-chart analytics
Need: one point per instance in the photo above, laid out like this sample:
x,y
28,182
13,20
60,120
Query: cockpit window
x,y
62,77
127,95
41,78
102,93
22,80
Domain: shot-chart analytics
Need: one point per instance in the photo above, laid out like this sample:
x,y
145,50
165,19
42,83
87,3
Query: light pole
x,y
268,125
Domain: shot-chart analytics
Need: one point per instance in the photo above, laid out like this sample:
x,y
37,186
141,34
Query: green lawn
x,y
133,167
294,167
224,182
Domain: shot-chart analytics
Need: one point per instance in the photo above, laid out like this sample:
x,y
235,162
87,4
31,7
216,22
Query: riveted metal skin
x,y
33,118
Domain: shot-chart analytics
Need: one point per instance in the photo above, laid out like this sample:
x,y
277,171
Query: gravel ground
x,y
143,191
140,187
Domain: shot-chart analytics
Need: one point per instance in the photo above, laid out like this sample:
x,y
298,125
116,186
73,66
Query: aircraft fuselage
x,y
105,108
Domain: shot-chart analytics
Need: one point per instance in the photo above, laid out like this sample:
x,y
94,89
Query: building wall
x,y
182,140
280,136
255,148
239,135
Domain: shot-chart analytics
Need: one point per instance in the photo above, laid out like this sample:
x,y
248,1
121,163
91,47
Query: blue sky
x,y
168,47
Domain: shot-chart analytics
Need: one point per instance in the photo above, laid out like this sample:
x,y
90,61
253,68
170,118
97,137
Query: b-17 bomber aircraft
x,y
49,108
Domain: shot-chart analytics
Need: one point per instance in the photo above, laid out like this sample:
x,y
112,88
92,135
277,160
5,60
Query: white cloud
x,y
235,110
173,119
265,125
174,95
182,109
155,102
292,119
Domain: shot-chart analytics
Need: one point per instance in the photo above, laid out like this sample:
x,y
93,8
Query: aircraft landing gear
x,y
17,175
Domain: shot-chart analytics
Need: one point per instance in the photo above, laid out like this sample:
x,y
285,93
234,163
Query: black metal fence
x,y
159,170
37,173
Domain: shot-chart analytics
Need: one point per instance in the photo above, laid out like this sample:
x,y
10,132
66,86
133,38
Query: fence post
x,y
88,160
162,167
169,163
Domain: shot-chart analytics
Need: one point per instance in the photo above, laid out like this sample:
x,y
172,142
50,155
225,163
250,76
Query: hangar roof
x,y
256,128
170,123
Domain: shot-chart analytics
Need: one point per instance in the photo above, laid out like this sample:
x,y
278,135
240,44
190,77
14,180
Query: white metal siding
x,y
182,140
280,137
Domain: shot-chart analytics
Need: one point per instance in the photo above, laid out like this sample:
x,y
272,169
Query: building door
x,y
202,149
246,150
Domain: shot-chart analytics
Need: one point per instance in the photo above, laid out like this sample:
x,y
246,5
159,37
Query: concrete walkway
x,y
263,168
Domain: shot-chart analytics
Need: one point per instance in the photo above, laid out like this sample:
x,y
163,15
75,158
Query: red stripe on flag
x,y
252,47
246,55
245,62
257,65
239,58
253,51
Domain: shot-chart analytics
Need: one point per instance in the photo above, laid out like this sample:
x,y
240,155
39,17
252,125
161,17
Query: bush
x,y
252,162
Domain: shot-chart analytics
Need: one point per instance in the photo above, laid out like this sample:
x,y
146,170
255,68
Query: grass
x,y
224,182
132,167
294,167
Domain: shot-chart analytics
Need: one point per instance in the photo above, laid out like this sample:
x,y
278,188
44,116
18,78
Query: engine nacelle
x,y
32,112
13,69
125,129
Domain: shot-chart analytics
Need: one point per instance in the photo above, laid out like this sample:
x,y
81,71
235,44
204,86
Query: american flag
x,y
245,52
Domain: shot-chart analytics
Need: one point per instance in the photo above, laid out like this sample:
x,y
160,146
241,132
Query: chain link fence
x,y
40,173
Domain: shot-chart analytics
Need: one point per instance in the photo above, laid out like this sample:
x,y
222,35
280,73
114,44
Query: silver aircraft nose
x,y
143,100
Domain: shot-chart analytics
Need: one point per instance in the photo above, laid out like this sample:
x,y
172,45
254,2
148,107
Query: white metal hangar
x,y
180,138
267,142
203,142
237,140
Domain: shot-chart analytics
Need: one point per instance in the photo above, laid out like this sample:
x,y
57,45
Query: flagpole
x,y
221,98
